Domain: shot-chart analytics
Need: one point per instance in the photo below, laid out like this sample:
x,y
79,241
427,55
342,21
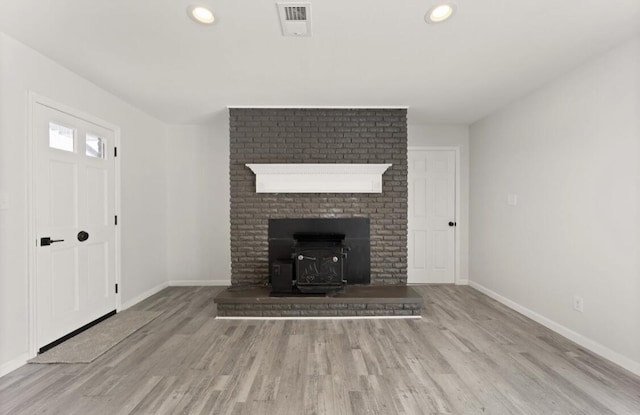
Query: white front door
x,y
431,216
75,213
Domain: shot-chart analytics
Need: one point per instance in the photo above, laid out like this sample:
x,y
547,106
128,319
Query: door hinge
x,y
116,220
115,152
116,288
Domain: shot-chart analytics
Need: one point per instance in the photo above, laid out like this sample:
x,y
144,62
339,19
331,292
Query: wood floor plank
x,y
467,355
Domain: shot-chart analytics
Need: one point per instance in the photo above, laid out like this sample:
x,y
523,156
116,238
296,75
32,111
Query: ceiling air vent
x,y
295,18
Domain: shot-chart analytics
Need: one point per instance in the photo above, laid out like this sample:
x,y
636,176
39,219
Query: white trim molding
x,y
318,178
173,283
143,296
14,364
200,283
587,343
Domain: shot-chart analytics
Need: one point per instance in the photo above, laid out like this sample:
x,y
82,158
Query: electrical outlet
x,y
578,303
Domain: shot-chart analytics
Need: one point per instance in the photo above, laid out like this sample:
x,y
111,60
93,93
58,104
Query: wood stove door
x,y
316,267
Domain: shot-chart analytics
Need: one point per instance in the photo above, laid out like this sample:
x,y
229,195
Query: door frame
x,y
456,237
34,99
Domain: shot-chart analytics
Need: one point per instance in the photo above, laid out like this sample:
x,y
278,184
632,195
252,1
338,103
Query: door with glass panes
x,y
75,214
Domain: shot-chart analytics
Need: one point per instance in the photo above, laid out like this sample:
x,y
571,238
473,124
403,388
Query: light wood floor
x,y
468,355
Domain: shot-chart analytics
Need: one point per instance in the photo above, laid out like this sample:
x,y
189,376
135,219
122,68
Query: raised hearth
x,y
389,301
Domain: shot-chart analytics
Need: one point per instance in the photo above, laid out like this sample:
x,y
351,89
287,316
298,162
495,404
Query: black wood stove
x,y
318,256
319,262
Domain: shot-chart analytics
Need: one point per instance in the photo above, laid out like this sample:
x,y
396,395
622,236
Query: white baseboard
x,y
199,283
463,281
172,283
14,364
135,300
595,347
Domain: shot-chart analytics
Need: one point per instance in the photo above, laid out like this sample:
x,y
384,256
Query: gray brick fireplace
x,y
318,136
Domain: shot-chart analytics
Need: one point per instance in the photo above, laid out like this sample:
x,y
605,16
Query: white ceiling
x,y
361,53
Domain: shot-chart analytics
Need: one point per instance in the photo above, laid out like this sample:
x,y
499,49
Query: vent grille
x,y
295,18
295,13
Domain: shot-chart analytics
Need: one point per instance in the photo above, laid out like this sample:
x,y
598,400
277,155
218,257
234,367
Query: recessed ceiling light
x,y
440,13
201,14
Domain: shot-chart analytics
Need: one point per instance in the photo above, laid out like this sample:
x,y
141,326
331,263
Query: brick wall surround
x,y
318,136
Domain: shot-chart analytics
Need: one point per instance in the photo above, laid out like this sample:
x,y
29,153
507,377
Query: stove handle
x,y
301,257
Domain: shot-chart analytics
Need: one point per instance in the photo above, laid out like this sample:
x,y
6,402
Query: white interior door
x,y
432,190
74,193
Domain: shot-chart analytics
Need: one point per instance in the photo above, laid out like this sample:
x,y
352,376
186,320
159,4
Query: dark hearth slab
x,y
389,301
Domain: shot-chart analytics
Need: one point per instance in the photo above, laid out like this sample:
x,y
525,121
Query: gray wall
x,y
318,136
142,213
198,203
570,152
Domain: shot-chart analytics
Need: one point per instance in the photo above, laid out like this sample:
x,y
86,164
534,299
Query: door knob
x,y
452,224
46,241
83,236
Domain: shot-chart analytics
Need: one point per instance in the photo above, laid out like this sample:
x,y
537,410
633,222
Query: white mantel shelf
x,y
318,178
